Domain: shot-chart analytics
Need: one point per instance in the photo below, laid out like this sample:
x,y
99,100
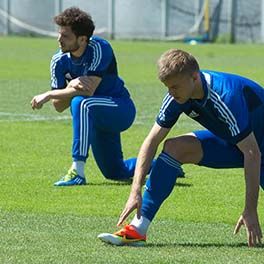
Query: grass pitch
x,y
44,224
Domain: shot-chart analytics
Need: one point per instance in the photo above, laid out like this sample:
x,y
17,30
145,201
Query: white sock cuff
x,y
140,224
79,167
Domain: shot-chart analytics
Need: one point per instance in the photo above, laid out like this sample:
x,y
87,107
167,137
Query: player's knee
x,y
76,102
174,148
185,149
111,175
115,175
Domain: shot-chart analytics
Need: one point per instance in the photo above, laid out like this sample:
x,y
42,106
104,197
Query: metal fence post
x,y
111,18
7,20
57,10
164,18
262,22
197,9
232,19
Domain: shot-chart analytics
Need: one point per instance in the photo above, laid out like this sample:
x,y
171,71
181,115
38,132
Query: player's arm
x,y
61,104
85,85
144,159
252,163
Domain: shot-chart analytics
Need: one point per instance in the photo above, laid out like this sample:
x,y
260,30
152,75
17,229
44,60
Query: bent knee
x,y
76,101
109,174
112,175
185,149
115,174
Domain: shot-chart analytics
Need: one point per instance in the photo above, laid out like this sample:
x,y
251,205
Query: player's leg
x,y
107,151
99,120
106,139
82,126
158,187
218,153
176,151
201,148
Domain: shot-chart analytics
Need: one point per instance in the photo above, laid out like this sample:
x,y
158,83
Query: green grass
x,y
44,224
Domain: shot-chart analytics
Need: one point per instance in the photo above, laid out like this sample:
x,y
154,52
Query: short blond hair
x,y
175,61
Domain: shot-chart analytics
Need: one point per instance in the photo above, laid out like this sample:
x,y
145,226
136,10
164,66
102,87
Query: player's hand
x,y
134,202
76,84
38,100
251,222
83,83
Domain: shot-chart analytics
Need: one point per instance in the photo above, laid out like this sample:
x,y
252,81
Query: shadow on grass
x,y
121,183
201,245
180,184
110,183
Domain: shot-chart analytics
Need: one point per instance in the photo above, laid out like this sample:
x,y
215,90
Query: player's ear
x,y
83,39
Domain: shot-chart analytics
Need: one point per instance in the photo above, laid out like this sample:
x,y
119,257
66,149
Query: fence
x,y
229,20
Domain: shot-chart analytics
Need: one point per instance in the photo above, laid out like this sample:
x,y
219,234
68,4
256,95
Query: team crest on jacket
x,y
193,114
68,76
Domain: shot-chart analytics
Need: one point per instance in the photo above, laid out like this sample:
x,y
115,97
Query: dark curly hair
x,y
80,22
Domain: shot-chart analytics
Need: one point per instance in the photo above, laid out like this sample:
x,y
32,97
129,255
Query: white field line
x,y
10,117
13,117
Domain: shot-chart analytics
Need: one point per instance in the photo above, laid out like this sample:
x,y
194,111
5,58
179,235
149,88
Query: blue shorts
x,y
218,153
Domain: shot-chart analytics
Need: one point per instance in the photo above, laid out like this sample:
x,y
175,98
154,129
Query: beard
x,y
71,48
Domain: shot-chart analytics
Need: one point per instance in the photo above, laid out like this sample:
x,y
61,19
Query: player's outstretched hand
x,y
38,100
251,222
134,202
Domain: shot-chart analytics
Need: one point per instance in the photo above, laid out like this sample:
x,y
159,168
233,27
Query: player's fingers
x,y
77,87
123,217
260,233
259,239
250,239
32,102
138,206
258,236
238,226
138,210
35,105
253,238
84,82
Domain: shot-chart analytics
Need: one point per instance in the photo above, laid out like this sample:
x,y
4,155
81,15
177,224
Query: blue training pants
x,y
98,122
218,153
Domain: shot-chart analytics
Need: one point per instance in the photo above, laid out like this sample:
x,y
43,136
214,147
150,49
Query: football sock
x,y
160,184
140,224
131,165
79,167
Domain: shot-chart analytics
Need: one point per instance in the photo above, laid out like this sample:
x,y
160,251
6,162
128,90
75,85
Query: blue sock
x,y
131,165
160,184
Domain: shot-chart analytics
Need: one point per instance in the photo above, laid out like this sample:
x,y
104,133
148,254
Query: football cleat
x,y
70,179
127,236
